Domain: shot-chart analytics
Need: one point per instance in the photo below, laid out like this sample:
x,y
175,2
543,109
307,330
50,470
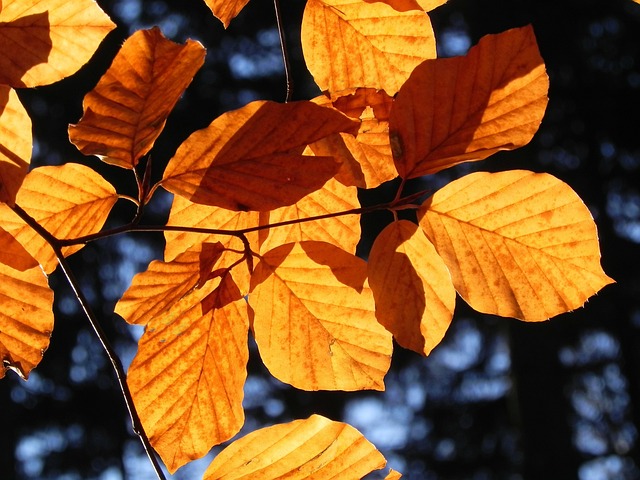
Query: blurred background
x,y
498,399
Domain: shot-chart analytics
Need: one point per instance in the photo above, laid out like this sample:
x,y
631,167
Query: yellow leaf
x,y
315,448
342,231
517,243
184,213
127,110
251,158
349,44
404,5
226,10
314,322
164,283
13,254
188,375
26,319
15,144
393,475
367,161
454,110
412,287
69,201
43,41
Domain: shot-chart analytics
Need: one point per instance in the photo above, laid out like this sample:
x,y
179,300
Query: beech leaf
x,y
251,158
350,43
461,109
188,376
69,201
15,144
315,323
13,254
26,319
43,41
517,243
226,10
127,110
412,287
404,5
312,448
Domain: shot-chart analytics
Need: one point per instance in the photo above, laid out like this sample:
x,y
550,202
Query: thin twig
x,y
285,52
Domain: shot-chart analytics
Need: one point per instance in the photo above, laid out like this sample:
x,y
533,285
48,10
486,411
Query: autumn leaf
x,y
342,231
251,158
68,201
312,448
127,110
314,322
226,10
350,43
404,5
393,475
412,287
517,243
15,144
43,41
26,319
188,376
13,254
454,110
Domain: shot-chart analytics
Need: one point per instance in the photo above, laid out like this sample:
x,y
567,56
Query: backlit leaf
x,y
342,231
350,43
226,10
15,144
43,41
517,243
26,319
315,322
412,287
188,375
251,158
13,254
393,475
454,110
127,110
69,201
312,448
404,5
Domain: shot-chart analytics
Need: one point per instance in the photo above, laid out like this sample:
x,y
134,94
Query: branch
x,y
285,53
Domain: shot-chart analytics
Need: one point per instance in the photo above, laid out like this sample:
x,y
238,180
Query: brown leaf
x,y
226,10
127,110
13,254
15,144
517,243
454,110
251,158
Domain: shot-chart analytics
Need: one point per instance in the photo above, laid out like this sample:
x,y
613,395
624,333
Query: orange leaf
x,y
164,283
69,201
517,243
15,144
188,375
127,110
315,323
43,41
342,231
454,110
349,44
367,160
412,287
250,159
313,448
26,319
393,475
226,10
184,213
13,254
404,5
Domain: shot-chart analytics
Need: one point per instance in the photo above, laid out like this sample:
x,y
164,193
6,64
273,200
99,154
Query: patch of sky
x,y
623,207
611,467
592,347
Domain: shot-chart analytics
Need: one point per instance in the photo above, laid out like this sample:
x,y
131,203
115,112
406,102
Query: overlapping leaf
x,y
127,110
15,144
43,41
517,244
461,109
251,158
350,43
13,254
226,10
188,376
68,201
404,5
312,448
412,287
315,322
26,319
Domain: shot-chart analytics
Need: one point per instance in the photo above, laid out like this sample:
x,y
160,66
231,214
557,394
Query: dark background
x,y
498,399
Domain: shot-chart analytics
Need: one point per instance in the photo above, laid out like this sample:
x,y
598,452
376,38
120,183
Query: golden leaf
x,y
15,144
226,10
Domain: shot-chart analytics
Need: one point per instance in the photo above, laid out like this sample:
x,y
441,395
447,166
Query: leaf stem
x,y
285,52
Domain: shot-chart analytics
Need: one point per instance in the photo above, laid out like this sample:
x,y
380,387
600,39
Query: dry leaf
x,y
226,10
